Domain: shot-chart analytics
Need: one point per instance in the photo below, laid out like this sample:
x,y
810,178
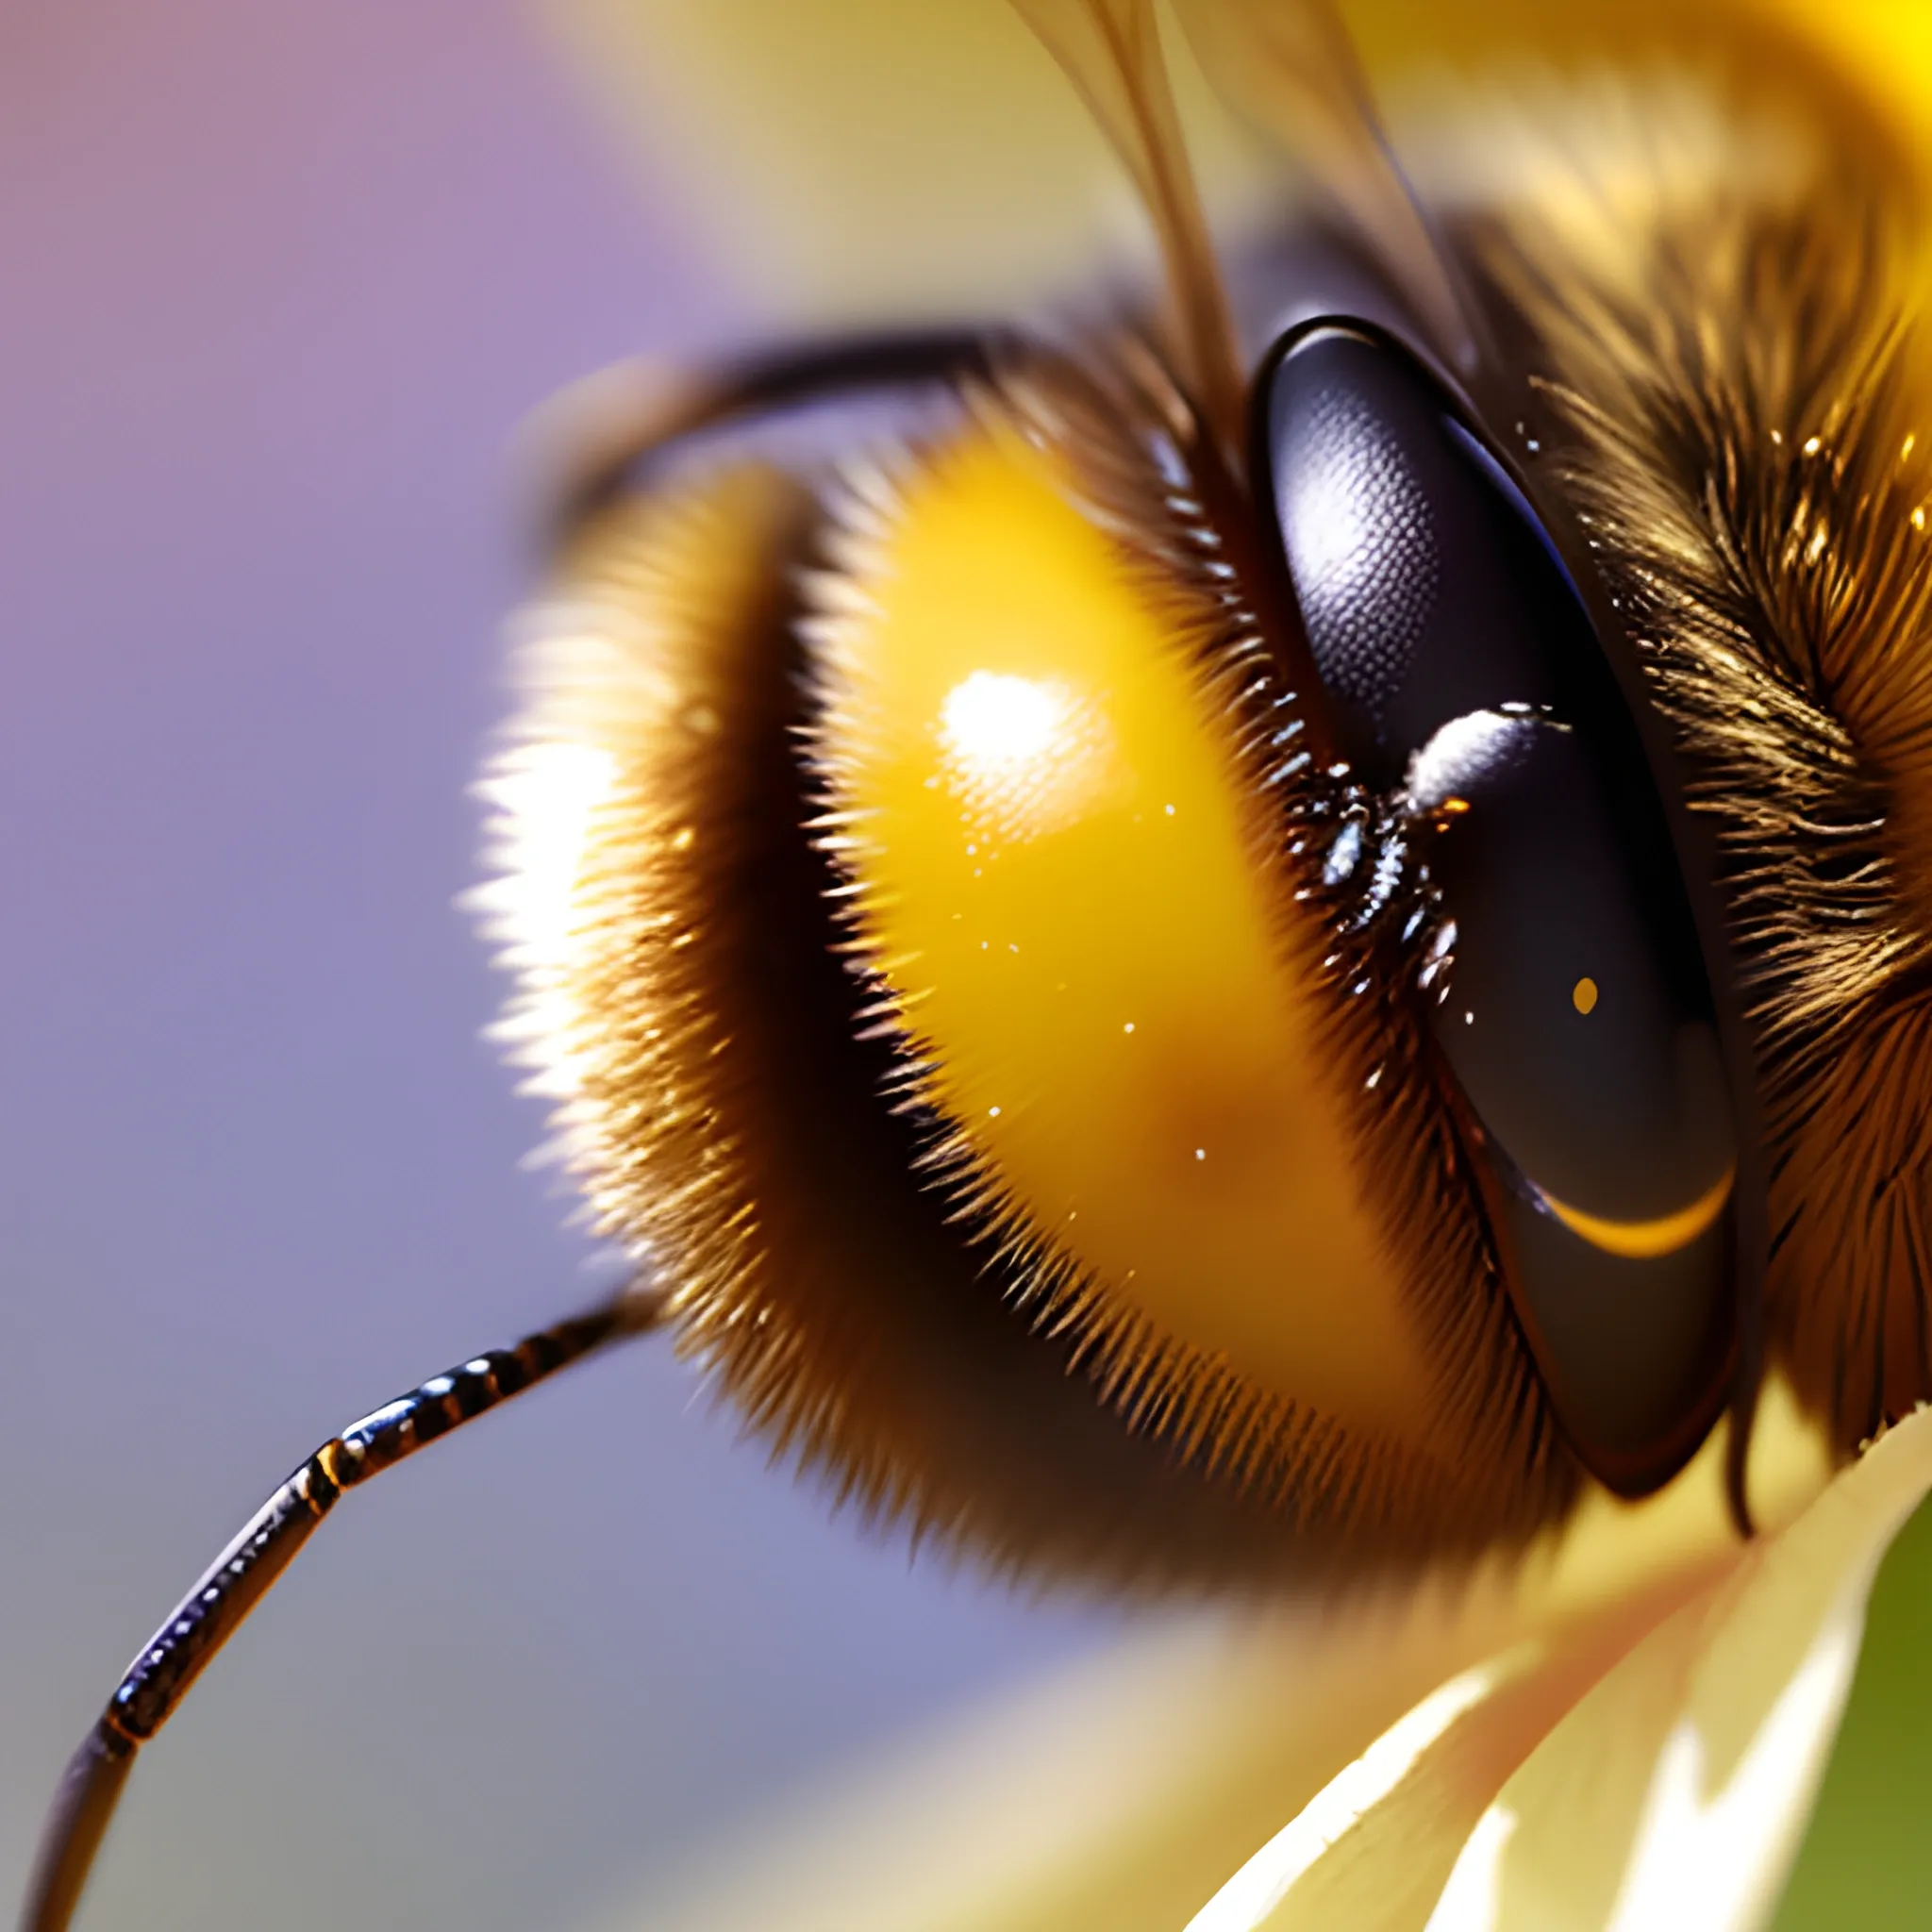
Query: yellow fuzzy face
x,y
1066,876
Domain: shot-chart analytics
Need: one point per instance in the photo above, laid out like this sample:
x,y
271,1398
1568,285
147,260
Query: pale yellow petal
x,y
1675,1794
1431,1803
1121,1795
1374,1850
1112,1797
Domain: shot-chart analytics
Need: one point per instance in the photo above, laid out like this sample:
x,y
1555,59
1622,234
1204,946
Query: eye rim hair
x,y
1697,460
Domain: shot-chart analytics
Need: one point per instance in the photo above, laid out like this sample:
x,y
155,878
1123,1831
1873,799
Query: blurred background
x,y
280,281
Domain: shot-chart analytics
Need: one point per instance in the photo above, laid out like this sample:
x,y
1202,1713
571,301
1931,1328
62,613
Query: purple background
x,y
276,283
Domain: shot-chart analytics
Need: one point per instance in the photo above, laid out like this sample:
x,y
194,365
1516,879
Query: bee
x,y
1252,937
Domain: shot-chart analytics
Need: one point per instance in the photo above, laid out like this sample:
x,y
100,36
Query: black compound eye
x,y
1467,684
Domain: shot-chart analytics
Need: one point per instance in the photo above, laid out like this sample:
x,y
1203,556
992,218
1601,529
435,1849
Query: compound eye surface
x,y
1572,1010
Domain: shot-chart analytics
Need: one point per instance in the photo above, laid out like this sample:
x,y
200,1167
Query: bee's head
x,y
1142,954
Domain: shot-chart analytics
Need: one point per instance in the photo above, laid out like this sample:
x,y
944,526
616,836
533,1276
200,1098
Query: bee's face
x,y
1270,932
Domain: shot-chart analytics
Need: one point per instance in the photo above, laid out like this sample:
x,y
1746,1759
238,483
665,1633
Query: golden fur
x,y
1732,355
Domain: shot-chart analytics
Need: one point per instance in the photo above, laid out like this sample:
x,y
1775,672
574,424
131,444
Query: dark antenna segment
x,y
241,1576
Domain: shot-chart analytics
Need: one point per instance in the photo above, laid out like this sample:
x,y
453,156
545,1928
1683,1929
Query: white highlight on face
x,y
990,721
1465,751
544,795
1023,754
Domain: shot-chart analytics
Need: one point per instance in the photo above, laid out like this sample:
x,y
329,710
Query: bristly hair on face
x,y
726,1096
1723,323
1709,285
747,1118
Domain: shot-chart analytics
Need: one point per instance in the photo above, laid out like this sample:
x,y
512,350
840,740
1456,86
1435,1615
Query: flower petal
x,y
1122,1793
1866,1836
1375,1848
1116,1793
1675,1793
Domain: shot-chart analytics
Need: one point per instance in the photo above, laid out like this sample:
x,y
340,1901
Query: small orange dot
x,y
1583,995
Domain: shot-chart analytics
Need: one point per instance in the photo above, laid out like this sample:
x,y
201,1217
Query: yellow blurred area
x,y
859,157
1059,875
870,157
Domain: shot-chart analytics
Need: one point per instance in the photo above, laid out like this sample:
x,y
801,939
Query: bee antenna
x,y
1110,50
241,1576
591,443
1290,68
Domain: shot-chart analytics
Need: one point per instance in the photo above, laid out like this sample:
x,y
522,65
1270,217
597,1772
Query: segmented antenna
x,y
159,1677
665,412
